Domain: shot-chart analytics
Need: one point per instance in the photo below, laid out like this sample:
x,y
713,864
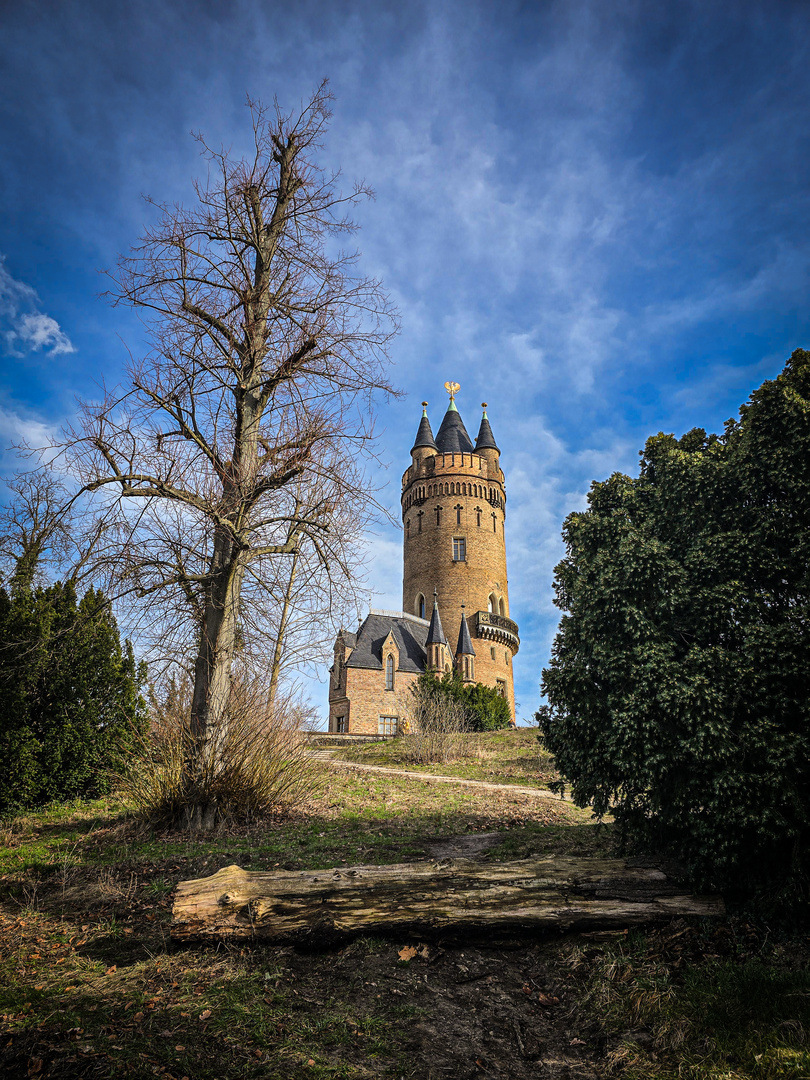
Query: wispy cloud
x,y
23,326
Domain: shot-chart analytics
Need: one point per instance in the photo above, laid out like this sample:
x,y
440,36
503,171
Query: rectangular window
x,y
341,725
459,549
387,725
500,686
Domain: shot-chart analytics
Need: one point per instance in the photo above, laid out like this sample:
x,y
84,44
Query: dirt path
x,y
483,785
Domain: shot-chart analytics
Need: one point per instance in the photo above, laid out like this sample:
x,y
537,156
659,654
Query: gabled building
x,y
453,516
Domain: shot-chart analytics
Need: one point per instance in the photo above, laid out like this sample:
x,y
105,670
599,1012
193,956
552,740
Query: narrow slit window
x,y
389,673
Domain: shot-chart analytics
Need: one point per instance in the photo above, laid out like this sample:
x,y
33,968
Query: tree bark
x,y
456,898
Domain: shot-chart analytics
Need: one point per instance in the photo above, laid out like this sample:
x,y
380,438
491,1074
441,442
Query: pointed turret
x,y
452,437
436,648
464,647
486,447
485,440
424,436
465,653
435,631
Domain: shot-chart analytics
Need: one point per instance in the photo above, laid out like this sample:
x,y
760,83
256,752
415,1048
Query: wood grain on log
x,y
446,899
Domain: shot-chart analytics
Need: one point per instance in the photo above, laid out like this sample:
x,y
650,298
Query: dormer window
x,y
389,672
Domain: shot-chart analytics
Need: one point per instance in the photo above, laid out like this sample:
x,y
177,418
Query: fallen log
x,y
456,898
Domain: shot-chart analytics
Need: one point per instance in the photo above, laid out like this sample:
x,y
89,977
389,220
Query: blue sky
x,y
593,215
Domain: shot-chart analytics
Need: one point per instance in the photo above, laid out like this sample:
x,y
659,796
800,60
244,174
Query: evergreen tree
x,y
678,688
69,695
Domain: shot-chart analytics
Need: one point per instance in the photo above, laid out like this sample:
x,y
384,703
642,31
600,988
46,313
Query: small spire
x,y
464,647
424,435
485,440
435,632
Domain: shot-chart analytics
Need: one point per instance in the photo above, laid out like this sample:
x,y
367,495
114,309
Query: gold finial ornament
x,y
452,389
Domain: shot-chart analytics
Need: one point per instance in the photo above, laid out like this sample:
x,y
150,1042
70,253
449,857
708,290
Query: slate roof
x,y
485,440
465,646
452,437
348,638
424,436
409,635
436,633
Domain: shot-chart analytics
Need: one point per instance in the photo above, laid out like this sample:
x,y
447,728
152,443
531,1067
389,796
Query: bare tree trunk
x,y
278,650
212,680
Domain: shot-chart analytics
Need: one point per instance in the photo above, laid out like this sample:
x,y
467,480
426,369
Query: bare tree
x,y
41,526
267,352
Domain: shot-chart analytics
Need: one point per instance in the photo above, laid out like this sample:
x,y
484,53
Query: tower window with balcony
x,y
459,549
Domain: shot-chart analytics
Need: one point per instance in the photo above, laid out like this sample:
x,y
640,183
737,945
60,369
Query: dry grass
x,y
258,762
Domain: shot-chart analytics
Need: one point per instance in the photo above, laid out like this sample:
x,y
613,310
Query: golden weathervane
x,y
452,389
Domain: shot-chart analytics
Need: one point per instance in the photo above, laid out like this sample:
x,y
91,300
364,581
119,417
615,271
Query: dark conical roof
x,y
464,647
424,436
485,440
452,437
435,631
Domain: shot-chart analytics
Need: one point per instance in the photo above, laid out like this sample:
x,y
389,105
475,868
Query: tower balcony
x,y
498,628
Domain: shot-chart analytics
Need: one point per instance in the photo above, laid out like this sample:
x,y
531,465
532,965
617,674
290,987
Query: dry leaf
x,y
110,970
408,952
547,1000
180,1049
138,1017
205,1014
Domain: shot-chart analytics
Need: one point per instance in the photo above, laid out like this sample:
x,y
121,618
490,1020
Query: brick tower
x,y
453,514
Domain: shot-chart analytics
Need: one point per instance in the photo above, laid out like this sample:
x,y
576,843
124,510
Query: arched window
x,y
502,607
492,604
389,673
419,607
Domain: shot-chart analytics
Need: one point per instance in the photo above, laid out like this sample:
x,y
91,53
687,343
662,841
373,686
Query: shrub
x,y
439,724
